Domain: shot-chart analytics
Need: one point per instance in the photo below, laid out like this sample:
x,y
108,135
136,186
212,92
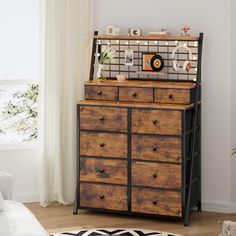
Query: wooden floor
x,y
58,218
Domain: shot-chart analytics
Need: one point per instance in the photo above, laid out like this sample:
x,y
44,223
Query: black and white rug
x,y
115,232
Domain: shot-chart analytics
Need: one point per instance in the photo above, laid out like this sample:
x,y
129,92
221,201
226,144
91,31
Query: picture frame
x,y
113,31
110,30
129,57
117,31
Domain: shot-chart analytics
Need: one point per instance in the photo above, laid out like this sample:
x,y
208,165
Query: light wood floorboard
x,y
58,218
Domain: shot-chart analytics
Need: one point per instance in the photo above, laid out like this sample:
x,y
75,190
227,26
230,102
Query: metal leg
x,y
199,206
75,211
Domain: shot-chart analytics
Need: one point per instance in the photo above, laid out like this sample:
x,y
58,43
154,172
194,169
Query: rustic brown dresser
x,y
135,143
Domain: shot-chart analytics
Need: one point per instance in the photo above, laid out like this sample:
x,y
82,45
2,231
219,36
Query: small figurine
x,y
185,30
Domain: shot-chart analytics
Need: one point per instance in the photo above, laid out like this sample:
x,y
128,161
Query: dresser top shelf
x,y
143,84
149,37
136,105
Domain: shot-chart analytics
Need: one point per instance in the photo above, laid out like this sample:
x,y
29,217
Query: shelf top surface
x,y
135,105
143,84
149,37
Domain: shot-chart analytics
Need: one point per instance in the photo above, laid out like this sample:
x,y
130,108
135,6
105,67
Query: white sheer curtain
x,y
66,50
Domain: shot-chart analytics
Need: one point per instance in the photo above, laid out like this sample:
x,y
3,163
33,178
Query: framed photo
x,y
116,31
129,57
110,30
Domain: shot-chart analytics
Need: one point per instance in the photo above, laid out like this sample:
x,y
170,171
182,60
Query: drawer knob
x,y
154,174
101,118
100,93
171,96
135,94
101,170
154,202
155,148
155,122
102,144
101,196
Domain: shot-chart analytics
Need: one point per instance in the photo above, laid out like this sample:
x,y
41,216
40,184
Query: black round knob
x,y
100,93
102,144
171,96
155,122
154,174
101,118
155,148
101,170
135,94
101,196
154,202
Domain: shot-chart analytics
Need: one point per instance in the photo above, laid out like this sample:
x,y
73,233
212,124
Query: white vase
x,y
99,72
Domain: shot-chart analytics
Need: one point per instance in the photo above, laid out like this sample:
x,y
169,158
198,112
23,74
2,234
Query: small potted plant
x,y
105,56
185,30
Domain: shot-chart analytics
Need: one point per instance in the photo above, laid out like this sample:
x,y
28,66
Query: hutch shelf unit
x,y
139,141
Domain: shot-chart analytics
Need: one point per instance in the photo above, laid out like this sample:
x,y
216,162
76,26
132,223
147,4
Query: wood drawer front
x,y
104,93
103,145
103,118
103,196
103,171
157,175
156,121
134,94
151,201
156,148
179,96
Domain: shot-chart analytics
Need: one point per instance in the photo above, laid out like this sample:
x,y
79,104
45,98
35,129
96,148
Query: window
x,y
19,70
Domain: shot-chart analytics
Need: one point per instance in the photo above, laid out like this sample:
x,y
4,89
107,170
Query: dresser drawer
x,y
103,171
104,93
103,144
157,175
103,118
103,196
180,96
156,202
167,122
156,148
134,94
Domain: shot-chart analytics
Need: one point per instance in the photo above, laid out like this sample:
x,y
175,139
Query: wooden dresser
x,y
134,147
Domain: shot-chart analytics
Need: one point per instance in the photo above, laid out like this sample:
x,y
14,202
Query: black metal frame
x,y
191,150
195,117
169,74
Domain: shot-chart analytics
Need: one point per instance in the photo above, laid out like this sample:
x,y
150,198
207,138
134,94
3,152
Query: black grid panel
x,y
162,47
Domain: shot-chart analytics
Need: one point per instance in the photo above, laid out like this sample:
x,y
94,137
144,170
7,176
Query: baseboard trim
x,y
219,207
27,198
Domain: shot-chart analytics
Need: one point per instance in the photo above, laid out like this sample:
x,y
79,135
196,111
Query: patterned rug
x,y
115,232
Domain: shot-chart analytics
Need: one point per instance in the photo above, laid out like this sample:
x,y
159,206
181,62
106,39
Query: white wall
x,y
23,165
213,18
